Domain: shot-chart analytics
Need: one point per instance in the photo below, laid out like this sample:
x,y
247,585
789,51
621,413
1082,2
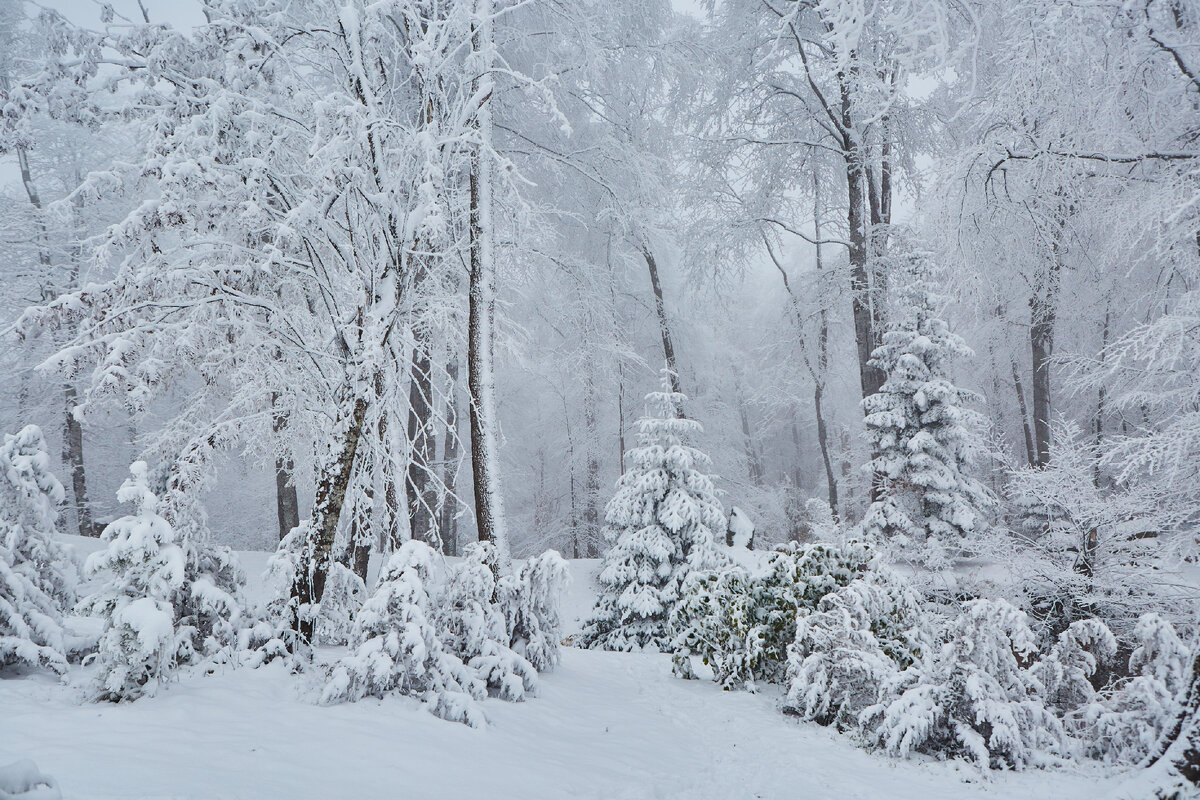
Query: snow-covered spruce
x,y
740,620
37,576
396,648
921,430
141,643
209,604
660,524
859,638
967,694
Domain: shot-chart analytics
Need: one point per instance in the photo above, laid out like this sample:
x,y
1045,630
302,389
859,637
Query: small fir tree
x,y
37,577
142,641
922,433
660,523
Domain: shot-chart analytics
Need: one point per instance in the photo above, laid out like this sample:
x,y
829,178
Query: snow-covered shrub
x,y
1065,673
474,629
661,524
1079,551
969,695
141,644
37,577
858,638
273,635
740,620
1126,722
397,650
209,605
531,601
343,596
923,433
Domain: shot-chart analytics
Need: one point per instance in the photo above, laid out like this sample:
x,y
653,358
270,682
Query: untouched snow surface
x,y
606,725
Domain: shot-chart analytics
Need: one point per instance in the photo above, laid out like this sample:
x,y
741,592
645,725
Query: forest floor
x,y
605,725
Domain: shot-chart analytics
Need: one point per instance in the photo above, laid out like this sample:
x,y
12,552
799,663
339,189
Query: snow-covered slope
x,y
607,725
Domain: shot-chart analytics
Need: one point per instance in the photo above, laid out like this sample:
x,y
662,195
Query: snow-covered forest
x,y
600,398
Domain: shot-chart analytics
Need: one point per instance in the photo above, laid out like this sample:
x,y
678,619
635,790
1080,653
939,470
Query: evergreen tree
x,y
142,642
921,430
660,523
37,577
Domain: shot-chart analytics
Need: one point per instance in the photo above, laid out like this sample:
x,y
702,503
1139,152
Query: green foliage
x,y
740,620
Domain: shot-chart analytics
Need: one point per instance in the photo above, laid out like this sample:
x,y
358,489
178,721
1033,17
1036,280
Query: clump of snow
x,y
22,780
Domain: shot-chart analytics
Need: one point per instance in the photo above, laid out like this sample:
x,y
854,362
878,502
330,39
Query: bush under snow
x,y
968,694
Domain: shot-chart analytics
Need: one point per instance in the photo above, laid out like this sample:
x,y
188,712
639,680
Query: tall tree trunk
x,y
72,429
621,420
754,466
664,325
1041,341
591,485
1030,447
1101,396
287,504
485,455
862,289
577,546
822,359
1043,313
448,519
73,456
797,472
422,494
317,552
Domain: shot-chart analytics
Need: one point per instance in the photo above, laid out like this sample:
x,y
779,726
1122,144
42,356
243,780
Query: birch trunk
x,y
448,520
422,494
327,510
664,324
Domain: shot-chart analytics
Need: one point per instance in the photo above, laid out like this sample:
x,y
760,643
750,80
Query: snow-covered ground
x,y
606,725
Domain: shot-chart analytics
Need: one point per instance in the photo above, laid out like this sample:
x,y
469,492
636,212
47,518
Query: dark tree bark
x,y
73,456
287,504
485,463
327,510
1041,341
1043,314
862,289
1030,447
422,492
664,324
